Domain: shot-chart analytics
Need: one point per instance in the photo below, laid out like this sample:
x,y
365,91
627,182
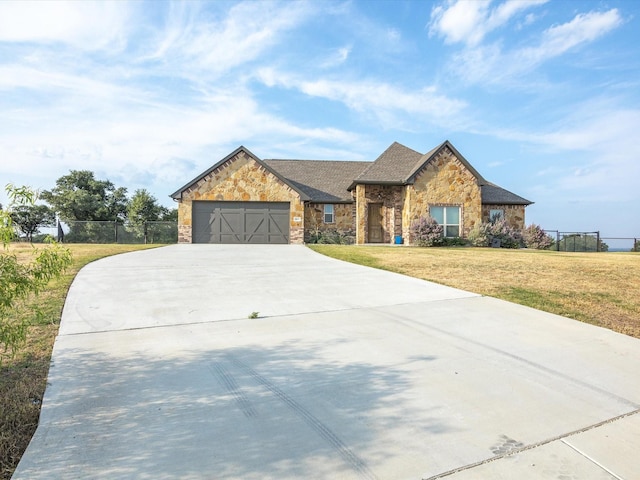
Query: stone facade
x,y
241,179
381,210
444,181
343,224
391,198
513,214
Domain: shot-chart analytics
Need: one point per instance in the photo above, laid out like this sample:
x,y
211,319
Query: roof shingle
x,y
323,181
493,194
395,165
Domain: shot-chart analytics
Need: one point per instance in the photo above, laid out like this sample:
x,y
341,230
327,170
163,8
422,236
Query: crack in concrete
x,y
539,444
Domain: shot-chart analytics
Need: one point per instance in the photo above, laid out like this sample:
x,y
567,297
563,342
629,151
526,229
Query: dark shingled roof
x,y
323,181
493,194
394,166
331,181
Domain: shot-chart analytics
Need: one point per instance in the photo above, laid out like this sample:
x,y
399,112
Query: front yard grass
x,y
598,288
23,376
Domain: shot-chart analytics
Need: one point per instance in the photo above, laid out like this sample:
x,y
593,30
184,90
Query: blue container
x,y
398,240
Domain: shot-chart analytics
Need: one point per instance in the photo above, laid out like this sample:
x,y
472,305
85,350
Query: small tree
x,y
426,232
20,280
535,237
29,218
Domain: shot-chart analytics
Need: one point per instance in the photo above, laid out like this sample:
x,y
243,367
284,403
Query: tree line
x,y
80,197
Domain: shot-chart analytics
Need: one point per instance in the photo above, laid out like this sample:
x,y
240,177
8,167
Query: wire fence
x,y
592,242
117,232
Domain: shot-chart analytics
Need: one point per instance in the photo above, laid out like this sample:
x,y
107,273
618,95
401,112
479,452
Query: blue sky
x,y
542,97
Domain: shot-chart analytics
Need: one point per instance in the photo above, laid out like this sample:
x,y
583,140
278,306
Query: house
x,y
243,199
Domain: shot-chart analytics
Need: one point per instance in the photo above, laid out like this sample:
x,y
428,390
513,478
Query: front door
x,y
375,223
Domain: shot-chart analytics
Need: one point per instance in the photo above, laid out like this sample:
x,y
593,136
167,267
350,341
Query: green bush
x,y
332,237
21,280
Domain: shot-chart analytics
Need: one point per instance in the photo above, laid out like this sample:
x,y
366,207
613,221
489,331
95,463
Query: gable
x,y
393,166
255,172
432,156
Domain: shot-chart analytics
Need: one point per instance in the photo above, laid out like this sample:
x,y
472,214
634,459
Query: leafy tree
x,y
80,196
143,207
169,215
20,280
29,218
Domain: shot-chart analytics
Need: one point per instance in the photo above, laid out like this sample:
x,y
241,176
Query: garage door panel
x,y
240,222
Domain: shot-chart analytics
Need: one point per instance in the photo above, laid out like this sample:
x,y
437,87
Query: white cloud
x,y
469,21
337,57
393,106
491,64
85,25
192,43
595,149
584,28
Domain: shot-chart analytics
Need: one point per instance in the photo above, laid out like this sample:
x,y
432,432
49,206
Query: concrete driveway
x,y
348,373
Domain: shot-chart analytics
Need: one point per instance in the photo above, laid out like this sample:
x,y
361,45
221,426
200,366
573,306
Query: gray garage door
x,y
240,222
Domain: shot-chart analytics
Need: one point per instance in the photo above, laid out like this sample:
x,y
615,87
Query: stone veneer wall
x,y
513,214
444,181
391,197
344,216
241,179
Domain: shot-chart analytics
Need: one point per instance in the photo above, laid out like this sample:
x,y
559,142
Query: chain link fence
x,y
117,232
592,242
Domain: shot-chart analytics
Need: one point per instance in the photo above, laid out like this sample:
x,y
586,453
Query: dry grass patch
x,y
598,288
23,376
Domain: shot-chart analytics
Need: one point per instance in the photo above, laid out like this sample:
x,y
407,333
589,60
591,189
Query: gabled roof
x,y
323,181
399,165
178,193
330,181
493,194
392,167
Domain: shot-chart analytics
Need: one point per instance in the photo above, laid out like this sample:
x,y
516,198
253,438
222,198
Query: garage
x,y
240,222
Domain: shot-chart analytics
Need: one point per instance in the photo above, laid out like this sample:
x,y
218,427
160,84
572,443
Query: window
x,y
449,218
496,215
329,216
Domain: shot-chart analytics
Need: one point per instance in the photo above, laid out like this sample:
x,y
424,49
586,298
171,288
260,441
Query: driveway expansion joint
x,y
560,438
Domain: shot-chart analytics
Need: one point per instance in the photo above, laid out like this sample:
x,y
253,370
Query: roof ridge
x,y
395,144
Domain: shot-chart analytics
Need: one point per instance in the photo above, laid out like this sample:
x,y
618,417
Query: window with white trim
x,y
329,215
449,218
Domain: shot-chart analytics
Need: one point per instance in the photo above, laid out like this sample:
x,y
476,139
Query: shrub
x,y
330,237
535,237
454,242
509,237
425,232
479,236
482,235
